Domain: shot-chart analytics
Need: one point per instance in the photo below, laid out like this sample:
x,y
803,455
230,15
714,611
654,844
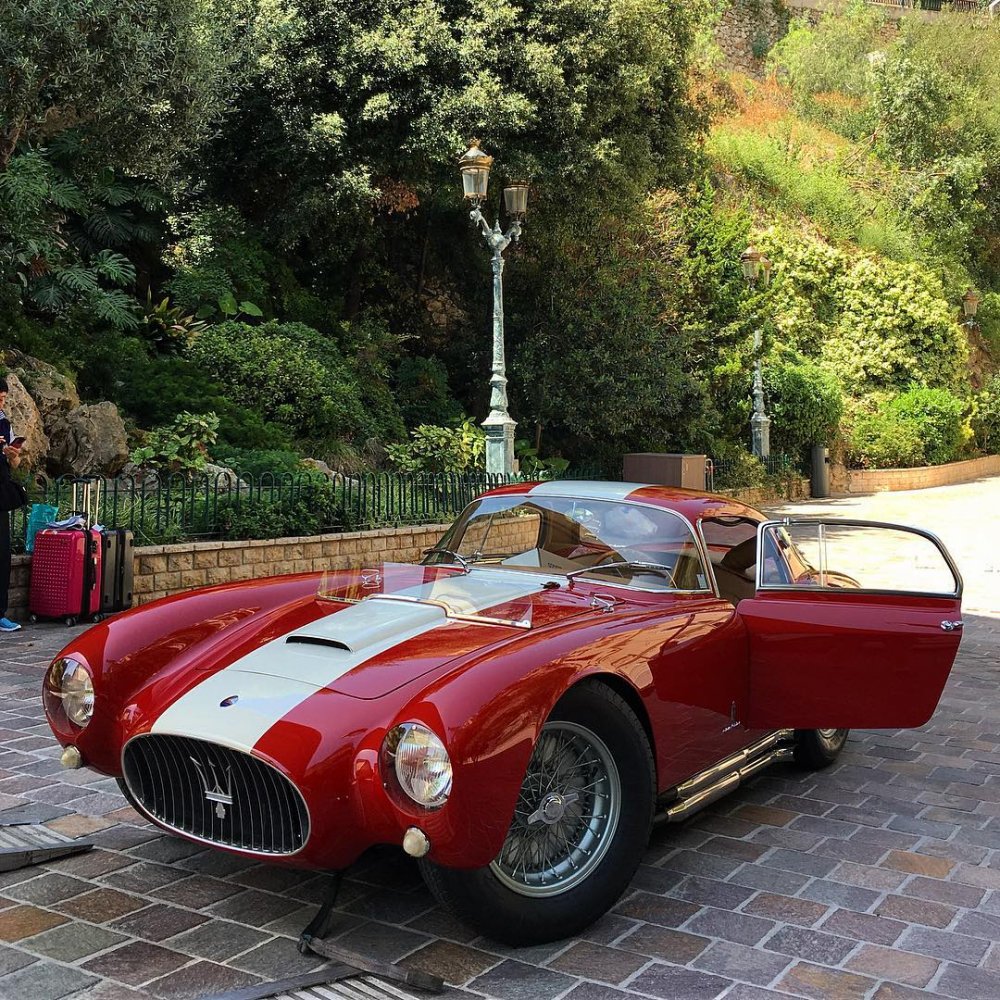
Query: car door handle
x,y
952,626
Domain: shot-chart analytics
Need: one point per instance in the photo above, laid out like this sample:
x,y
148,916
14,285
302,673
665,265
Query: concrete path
x,y
878,878
965,517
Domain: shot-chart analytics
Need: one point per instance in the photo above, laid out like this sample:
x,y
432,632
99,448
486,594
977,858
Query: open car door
x,y
853,625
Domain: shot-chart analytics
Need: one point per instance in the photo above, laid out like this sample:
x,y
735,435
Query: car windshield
x,y
623,542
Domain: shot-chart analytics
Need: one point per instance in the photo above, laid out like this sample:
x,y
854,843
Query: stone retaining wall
x,y
845,481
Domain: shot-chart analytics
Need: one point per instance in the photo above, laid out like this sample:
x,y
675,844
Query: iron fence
x,y
171,508
749,471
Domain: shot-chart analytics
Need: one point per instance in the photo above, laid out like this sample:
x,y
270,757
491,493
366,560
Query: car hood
x,y
369,634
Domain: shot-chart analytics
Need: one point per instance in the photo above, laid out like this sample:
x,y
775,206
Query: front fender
x,y
490,714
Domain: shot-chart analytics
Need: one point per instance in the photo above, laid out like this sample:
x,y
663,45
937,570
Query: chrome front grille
x,y
216,794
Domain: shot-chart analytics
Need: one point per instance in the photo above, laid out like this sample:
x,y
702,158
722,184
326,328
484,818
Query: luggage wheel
x,y
70,621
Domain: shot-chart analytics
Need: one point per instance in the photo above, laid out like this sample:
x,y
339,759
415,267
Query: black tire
x,y
70,621
818,748
558,900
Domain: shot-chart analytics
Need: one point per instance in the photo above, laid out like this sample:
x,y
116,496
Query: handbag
x,y
13,495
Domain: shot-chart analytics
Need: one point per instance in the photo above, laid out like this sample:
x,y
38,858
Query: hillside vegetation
x,y
241,221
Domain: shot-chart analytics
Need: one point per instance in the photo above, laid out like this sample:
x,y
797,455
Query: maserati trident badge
x,y
214,792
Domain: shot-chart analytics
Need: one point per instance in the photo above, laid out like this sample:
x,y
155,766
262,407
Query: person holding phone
x,y
11,458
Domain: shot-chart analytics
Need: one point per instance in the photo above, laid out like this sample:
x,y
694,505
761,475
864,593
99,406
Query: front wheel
x,y
580,826
818,748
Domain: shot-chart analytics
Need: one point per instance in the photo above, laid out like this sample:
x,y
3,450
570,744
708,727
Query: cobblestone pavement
x,y
879,877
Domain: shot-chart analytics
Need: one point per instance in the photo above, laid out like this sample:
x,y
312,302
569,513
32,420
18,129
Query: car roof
x,y
692,504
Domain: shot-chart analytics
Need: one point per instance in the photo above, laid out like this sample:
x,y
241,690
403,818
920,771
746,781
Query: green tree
x,y
96,92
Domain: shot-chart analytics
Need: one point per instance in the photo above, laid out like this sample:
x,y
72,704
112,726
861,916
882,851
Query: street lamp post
x,y
757,270
970,306
475,167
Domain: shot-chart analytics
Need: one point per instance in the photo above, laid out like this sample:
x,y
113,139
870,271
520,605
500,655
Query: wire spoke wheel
x,y
566,815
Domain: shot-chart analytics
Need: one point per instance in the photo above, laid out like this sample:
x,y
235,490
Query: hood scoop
x,y
368,624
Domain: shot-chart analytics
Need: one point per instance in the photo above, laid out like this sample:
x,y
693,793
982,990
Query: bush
x,y
257,461
440,449
289,372
422,393
986,419
804,401
919,427
181,446
315,508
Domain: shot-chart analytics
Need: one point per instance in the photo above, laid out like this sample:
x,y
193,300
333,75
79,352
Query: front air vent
x,y
215,794
319,640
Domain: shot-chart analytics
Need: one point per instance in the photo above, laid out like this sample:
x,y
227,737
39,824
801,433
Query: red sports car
x,y
571,660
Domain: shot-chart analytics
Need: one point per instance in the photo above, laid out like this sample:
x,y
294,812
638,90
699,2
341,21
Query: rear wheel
x,y
818,748
579,829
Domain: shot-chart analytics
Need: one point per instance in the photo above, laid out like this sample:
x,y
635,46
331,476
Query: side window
x,y
731,543
856,556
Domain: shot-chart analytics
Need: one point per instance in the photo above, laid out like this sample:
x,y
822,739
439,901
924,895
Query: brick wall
x,y
845,481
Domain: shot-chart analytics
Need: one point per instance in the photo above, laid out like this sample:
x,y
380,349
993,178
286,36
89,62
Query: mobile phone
x,y
17,442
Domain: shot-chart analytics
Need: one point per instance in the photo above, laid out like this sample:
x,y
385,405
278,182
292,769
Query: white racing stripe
x,y
274,679
585,490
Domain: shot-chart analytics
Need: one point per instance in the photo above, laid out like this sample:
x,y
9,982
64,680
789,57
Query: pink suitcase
x,y
66,574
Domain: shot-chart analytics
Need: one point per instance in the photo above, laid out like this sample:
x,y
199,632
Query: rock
x,y
316,465
54,393
27,422
220,475
88,440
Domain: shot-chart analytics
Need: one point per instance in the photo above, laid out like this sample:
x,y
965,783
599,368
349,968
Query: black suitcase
x,y
116,582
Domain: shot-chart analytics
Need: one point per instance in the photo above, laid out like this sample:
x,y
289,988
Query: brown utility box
x,y
665,469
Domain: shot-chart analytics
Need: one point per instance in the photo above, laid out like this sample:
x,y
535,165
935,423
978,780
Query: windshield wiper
x,y
666,572
465,563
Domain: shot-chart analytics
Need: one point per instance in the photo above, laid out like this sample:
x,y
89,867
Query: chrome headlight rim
x,y
419,765
69,683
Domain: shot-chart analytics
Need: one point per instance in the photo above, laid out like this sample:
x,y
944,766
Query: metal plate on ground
x,y
30,845
360,988
336,982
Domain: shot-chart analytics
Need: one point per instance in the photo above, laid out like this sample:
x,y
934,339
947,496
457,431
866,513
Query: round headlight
x,y
420,762
69,689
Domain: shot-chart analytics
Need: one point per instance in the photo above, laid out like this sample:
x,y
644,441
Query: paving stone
x,y
813,946
11,959
728,847
968,984
823,984
275,959
199,980
736,961
768,815
100,905
983,878
786,909
863,926
218,940
671,983
917,911
157,922
196,891
850,850
695,863
254,908
799,861
594,961
390,906
512,980
659,880
24,921
46,889
918,864
944,892
760,876
729,925
867,876
44,981
944,944
454,963
896,991
380,941
141,877
663,943
657,910
833,893
890,963
136,963
72,941
711,893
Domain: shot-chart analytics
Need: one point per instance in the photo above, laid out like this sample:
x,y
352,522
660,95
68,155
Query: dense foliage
x,y
248,211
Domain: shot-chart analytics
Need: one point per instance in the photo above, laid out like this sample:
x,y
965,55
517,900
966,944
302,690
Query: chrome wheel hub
x,y
566,815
